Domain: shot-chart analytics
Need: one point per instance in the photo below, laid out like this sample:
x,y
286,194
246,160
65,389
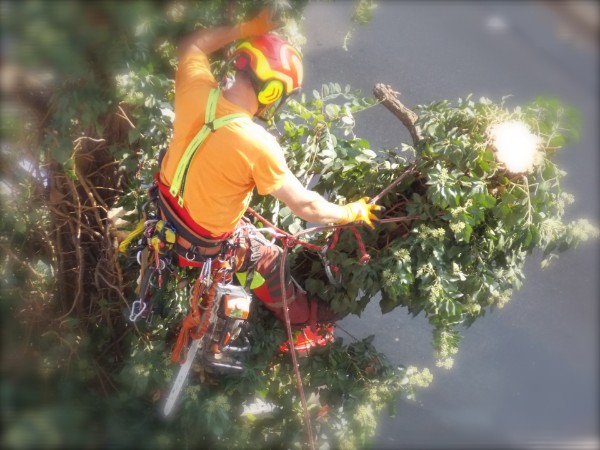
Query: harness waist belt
x,y
186,237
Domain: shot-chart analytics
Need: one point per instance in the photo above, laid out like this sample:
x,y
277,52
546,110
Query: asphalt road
x,y
527,375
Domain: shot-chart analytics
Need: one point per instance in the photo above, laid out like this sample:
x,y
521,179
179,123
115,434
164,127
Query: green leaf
x,y
332,111
485,200
62,154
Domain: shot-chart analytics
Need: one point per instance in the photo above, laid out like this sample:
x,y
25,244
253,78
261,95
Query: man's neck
x,y
241,93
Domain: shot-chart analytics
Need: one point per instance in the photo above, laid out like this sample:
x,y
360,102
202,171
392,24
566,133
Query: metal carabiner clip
x,y
137,309
329,269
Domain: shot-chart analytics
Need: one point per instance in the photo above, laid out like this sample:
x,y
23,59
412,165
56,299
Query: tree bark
x,y
389,98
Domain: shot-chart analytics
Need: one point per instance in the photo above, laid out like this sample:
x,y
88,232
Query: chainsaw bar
x,y
181,377
191,354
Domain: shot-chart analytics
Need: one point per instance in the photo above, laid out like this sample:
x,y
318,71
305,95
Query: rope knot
x,y
290,241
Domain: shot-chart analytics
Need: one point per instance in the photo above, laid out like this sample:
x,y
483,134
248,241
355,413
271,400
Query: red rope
x,y
289,239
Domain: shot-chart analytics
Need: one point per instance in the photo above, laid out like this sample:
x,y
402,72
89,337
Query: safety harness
x,y
165,232
211,125
191,247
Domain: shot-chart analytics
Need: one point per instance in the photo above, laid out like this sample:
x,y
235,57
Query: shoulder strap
x,y
211,124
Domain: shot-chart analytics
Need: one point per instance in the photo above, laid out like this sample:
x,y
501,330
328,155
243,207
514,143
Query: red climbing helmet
x,y
275,68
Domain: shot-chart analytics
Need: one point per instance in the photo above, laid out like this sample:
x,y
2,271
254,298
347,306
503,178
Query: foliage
x,y
95,88
94,84
469,222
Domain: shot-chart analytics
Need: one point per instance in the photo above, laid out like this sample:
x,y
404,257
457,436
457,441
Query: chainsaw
x,y
224,347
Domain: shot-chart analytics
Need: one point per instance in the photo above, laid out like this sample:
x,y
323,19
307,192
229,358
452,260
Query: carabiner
x,y
137,309
329,268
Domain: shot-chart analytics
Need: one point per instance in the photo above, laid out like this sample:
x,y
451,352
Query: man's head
x,y
273,66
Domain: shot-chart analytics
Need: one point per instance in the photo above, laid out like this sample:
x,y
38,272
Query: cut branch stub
x,y
388,97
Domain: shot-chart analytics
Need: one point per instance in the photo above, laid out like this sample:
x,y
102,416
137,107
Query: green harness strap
x,y
211,124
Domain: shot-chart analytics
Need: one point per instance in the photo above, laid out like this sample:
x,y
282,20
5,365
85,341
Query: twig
x,y
78,253
337,325
395,183
77,141
67,218
114,343
398,219
124,116
16,258
91,192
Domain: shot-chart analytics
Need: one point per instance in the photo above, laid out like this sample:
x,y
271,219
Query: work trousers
x,y
265,258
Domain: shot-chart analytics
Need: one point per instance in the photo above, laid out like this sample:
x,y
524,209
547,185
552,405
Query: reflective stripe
x,y
257,279
211,105
211,124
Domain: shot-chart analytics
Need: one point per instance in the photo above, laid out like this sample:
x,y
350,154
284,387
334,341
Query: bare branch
x,y
389,98
395,183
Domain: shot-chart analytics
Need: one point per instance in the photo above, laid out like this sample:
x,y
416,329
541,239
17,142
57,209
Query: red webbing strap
x,y
289,239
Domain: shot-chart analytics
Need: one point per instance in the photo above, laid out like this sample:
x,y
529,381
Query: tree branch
x,y
388,97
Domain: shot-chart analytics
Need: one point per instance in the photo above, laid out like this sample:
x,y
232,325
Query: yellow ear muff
x,y
270,92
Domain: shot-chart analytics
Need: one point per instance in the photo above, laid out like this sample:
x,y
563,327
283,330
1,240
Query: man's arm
x,y
207,41
212,39
306,204
312,207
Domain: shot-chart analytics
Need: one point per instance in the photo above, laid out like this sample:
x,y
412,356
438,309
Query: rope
x,y
290,241
288,327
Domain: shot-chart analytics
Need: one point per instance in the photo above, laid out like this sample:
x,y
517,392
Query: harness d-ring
x,y
190,250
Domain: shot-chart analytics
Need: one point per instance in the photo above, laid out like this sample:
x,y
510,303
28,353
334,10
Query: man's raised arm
x,y
212,39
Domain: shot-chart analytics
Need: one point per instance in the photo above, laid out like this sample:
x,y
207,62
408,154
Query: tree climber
x,y
207,183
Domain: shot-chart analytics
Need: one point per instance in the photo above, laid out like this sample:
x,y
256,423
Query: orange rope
x,y
195,324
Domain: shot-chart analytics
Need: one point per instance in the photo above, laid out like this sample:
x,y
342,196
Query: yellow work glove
x,y
360,211
261,24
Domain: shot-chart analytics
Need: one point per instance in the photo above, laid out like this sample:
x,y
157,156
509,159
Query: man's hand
x,y
261,24
360,211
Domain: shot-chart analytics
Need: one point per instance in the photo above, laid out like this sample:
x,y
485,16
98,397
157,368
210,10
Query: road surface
x,y
527,375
